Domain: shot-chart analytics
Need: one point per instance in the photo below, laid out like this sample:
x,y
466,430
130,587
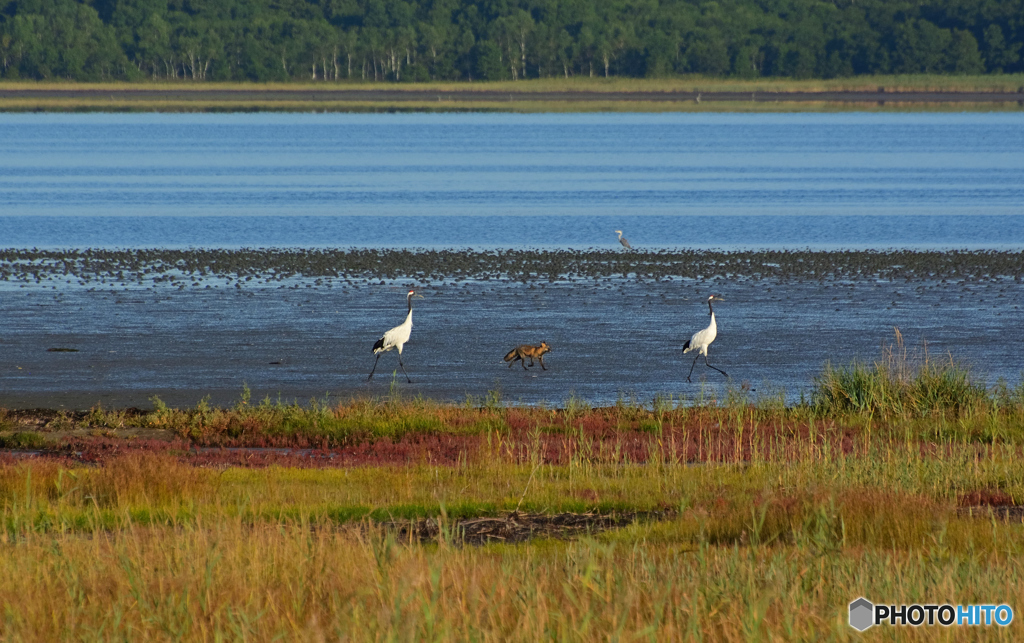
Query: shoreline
x,y
528,96
120,327
153,266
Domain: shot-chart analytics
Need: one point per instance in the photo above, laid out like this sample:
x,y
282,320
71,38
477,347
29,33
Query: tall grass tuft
x,y
899,385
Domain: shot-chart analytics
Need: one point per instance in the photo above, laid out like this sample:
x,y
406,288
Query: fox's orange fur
x,y
527,352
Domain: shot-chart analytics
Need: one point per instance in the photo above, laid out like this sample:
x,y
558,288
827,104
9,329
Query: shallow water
x,y
496,181
511,180
610,339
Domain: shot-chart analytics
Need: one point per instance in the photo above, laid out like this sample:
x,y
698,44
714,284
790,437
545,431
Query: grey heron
x,y
624,242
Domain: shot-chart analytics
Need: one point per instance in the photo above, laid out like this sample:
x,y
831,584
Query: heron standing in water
x,y
624,242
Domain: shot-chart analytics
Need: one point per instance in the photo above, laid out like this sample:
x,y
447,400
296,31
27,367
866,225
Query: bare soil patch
x,y
516,527
1013,513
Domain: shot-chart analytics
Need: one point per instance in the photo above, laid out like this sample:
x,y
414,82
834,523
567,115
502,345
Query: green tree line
x,y
421,40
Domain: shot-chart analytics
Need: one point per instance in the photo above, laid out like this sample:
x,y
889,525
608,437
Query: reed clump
x,y
319,423
900,385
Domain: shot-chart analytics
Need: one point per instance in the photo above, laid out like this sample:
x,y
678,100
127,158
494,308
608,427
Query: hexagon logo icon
x,y
862,612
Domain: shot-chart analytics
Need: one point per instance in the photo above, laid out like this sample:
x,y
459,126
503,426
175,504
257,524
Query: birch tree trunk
x,y
522,50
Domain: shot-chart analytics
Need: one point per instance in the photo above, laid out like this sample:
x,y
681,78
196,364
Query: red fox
x,y
524,352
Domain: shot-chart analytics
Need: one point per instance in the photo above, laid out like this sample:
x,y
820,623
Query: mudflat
x,y
119,329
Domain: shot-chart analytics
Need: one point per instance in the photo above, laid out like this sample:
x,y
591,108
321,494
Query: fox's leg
x,y
541,360
522,360
531,361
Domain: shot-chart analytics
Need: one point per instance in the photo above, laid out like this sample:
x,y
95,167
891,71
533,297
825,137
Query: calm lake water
x,y
728,181
508,180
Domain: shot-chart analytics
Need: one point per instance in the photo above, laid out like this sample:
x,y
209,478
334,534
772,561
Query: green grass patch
x,y
23,440
900,385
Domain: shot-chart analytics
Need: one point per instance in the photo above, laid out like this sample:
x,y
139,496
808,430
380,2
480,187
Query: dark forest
x,y
398,41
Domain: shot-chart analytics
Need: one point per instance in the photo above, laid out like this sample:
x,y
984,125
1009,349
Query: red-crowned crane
x,y
702,339
395,338
624,242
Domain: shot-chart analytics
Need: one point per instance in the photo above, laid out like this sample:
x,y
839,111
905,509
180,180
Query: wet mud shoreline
x,y
120,327
160,266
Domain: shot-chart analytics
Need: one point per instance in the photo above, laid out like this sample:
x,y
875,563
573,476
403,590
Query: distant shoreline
x,y
152,266
540,96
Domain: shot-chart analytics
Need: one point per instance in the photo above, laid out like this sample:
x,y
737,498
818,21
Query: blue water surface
x,y
843,180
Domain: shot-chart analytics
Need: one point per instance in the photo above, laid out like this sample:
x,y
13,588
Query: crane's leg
x,y
714,367
403,368
691,367
374,367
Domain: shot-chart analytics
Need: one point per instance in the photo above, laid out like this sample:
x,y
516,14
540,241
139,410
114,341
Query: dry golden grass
x,y
903,82
232,580
148,548
520,95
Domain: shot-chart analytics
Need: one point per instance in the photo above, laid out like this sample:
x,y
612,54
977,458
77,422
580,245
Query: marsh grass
x,y
898,82
905,386
165,486
19,440
520,95
902,393
775,518
318,423
150,548
229,581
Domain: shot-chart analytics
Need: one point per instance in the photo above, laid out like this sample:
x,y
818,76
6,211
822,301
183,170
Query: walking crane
x,y
702,339
395,338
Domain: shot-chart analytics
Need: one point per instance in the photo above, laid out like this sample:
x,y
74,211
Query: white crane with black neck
x,y
395,338
702,339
